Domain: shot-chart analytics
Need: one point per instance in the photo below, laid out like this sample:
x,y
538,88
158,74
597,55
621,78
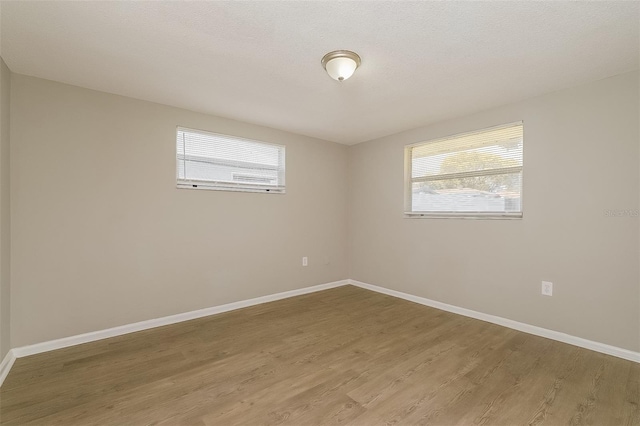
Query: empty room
x,y
319,212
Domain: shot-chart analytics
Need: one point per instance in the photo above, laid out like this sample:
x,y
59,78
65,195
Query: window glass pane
x,y
227,148
228,161
507,154
495,193
477,172
205,171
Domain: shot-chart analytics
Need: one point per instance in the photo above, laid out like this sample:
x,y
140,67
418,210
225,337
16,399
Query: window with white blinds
x,y
228,163
473,174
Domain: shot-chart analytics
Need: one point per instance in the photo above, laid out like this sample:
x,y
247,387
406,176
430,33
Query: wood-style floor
x,y
344,355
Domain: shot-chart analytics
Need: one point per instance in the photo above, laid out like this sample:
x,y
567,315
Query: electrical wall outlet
x,y
547,288
305,261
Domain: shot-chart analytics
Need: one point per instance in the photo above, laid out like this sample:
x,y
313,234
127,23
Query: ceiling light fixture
x,y
341,64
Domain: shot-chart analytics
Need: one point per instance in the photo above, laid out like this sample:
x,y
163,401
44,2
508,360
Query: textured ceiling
x,y
259,62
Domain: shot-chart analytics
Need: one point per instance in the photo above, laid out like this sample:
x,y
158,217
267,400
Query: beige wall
x,y
102,237
581,157
5,223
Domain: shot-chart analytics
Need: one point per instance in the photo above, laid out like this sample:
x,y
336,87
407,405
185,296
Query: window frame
x,y
228,186
409,180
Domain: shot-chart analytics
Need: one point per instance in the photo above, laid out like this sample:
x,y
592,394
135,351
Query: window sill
x,y
471,215
231,189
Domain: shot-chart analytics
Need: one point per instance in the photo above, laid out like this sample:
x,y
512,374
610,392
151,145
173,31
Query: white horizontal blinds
x,y
478,172
228,162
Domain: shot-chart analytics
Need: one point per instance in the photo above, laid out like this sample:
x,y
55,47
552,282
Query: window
x,y
228,163
470,175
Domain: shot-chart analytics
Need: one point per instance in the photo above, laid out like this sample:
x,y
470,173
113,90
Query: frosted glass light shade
x,y
341,64
341,68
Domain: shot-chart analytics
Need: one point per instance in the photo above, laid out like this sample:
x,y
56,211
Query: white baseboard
x,y
159,322
51,345
6,365
520,326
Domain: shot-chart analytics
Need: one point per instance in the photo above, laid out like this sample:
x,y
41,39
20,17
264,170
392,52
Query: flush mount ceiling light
x,y
341,64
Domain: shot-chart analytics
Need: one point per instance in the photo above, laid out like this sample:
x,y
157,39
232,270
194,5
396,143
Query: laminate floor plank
x,y
340,356
631,415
